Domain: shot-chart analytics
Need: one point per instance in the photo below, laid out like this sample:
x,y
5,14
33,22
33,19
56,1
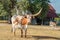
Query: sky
x,y
56,5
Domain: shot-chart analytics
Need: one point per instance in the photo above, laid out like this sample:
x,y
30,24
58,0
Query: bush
x,y
57,21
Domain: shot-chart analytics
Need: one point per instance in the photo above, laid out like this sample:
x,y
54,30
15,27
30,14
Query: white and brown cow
x,y
16,21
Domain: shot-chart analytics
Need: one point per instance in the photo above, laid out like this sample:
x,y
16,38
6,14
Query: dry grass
x,y
3,21
34,33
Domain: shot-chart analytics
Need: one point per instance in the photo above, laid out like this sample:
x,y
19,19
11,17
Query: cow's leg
x,y
14,32
21,32
25,28
25,32
13,29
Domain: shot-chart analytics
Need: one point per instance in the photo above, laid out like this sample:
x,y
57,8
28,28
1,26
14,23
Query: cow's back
x,y
18,17
13,18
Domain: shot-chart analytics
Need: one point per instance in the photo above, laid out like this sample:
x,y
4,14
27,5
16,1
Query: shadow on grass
x,y
42,37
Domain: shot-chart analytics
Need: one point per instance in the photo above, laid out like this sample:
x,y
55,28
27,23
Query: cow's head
x,y
29,16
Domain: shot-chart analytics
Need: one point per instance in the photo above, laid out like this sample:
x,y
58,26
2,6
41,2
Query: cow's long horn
x,y
37,13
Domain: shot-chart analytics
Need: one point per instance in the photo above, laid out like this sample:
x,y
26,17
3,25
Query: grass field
x,y
35,32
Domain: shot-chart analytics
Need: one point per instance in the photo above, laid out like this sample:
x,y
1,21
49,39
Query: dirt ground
x,y
35,32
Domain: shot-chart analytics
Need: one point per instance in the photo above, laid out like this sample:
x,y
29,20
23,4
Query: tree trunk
x,y
9,17
42,22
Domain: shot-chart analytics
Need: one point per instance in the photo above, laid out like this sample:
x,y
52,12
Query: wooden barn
x,y
50,15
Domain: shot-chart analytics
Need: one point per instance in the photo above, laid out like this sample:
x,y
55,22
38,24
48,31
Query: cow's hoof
x,y
25,36
21,36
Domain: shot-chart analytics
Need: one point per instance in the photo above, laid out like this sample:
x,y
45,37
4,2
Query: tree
x,y
44,5
11,6
8,6
36,5
2,11
31,5
23,5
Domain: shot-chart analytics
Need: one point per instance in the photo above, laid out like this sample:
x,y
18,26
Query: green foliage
x,y
23,4
44,5
58,14
8,6
35,6
57,20
2,11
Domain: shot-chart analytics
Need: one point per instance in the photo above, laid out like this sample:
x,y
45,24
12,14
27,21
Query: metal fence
x,y
3,18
